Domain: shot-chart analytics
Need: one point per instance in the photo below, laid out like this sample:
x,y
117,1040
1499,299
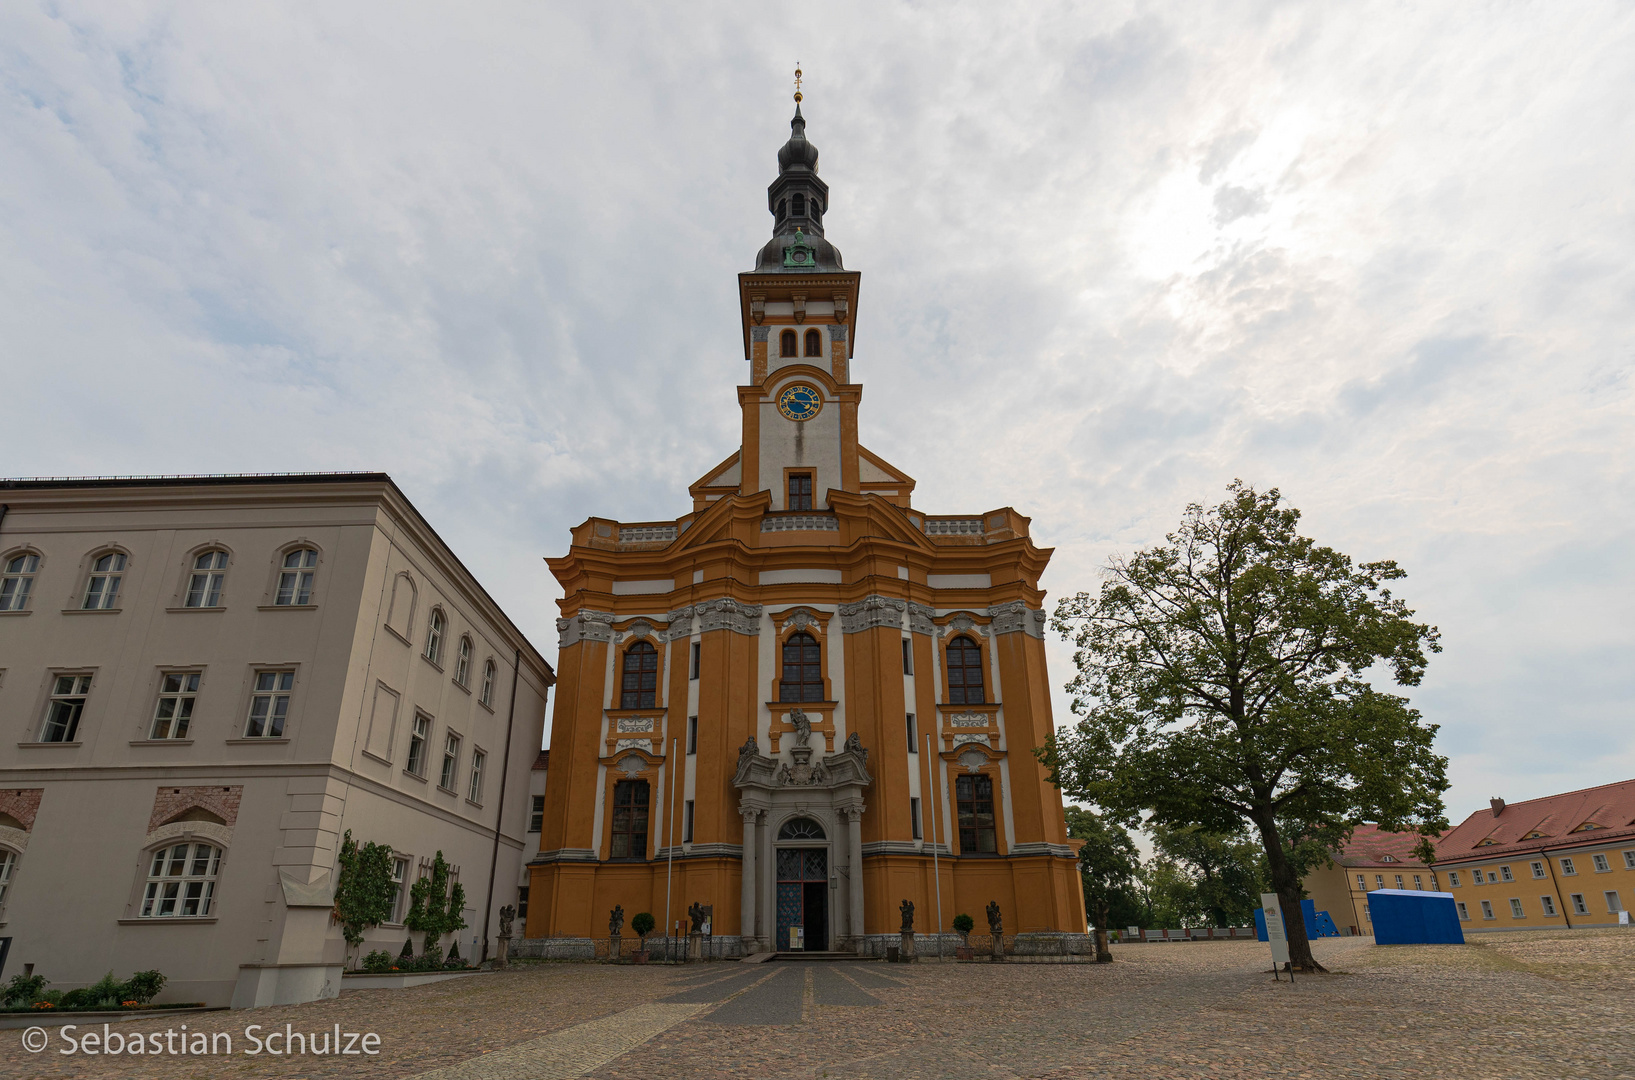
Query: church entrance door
x,y
803,896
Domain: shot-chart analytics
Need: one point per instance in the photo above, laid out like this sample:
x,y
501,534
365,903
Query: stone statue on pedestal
x,y
615,920
907,909
803,727
995,924
508,915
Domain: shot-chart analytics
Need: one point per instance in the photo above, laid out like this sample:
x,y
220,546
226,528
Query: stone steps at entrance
x,y
826,957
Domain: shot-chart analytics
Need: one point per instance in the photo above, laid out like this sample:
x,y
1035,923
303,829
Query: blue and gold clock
x,y
799,401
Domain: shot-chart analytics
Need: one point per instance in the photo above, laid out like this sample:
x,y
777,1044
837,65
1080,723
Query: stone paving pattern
x,y
1545,1004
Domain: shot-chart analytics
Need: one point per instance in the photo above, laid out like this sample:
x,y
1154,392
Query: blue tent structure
x,y
1411,917
1318,923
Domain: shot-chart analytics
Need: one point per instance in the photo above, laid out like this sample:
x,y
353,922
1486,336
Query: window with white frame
x,y
295,579
1515,908
269,704
914,818
536,814
102,587
1464,912
1399,880
1548,903
1418,884
687,822
1379,881
1579,907
1492,877
1567,867
400,891
181,882
1487,909
418,733
1601,863
1505,874
913,735
1613,904
434,636
487,696
695,661
174,712
692,735
462,663
1453,879
1629,860
1362,883
18,581
8,863
451,761
205,582
1537,867
474,790
64,709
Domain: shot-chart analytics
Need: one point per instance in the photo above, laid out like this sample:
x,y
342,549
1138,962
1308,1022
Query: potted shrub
x,y
963,924
643,924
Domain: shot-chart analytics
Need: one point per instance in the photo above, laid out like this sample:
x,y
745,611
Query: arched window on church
x,y
787,343
800,205
801,828
814,343
964,672
802,678
783,208
641,677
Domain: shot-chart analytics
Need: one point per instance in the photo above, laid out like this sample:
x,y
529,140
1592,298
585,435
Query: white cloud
x,y
1113,257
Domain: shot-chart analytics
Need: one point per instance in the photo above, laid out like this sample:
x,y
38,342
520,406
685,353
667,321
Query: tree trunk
x,y
1287,887
1104,955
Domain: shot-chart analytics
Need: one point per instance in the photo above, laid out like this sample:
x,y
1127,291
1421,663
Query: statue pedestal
x,y
906,950
613,947
695,945
999,946
502,952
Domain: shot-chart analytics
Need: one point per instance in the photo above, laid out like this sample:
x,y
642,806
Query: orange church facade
x,y
802,686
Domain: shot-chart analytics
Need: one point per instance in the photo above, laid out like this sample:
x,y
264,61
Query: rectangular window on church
x,y
800,491
913,736
908,657
692,735
630,819
687,824
914,815
974,798
692,670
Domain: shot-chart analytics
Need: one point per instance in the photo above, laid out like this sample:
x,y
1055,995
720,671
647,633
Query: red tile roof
x,y
1572,819
1372,846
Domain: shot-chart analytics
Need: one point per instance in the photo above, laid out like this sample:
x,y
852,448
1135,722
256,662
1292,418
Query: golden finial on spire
x,y
797,82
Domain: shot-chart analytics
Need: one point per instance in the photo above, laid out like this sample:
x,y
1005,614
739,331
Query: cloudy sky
x,y
1379,256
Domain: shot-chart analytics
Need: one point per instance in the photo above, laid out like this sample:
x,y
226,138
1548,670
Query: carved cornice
x,y
681,624
726,613
586,625
872,611
1017,616
921,619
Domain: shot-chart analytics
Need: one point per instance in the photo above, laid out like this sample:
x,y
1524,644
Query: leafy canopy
x,y
1222,679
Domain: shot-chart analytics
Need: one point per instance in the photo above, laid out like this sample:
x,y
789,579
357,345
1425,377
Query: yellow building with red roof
x,y
1559,862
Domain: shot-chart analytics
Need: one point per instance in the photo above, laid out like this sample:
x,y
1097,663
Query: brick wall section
x,y
168,802
22,804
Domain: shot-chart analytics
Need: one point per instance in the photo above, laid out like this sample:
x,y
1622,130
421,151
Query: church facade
x,y
807,700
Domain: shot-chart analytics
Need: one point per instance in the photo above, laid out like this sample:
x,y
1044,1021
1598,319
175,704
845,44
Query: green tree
x,y
1107,865
1223,871
1222,682
363,889
643,924
434,909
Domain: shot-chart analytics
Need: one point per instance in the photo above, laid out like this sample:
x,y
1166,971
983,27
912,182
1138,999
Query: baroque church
x,y
807,700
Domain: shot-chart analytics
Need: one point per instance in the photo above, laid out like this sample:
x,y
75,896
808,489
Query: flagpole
x,y
669,872
936,876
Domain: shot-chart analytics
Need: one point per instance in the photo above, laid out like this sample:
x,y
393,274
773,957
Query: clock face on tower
x,y
800,402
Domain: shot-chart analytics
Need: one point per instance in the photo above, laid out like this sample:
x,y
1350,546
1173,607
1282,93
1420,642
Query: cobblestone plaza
x,y
1511,1005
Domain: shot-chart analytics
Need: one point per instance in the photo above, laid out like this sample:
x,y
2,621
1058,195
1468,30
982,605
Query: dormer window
x,y
1388,858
